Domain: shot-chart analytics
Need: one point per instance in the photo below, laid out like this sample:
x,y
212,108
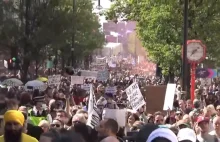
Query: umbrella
x,y
43,79
35,84
12,82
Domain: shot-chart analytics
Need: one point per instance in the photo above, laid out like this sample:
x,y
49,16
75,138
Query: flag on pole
x,y
93,117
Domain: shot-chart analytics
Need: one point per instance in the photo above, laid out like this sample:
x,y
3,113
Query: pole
x,y
193,69
135,48
73,34
185,37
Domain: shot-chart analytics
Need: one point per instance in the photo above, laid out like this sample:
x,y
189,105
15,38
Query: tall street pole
x,y
135,48
73,34
185,38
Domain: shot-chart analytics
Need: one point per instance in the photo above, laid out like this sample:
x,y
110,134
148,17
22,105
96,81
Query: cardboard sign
x,y
54,79
118,115
77,80
135,97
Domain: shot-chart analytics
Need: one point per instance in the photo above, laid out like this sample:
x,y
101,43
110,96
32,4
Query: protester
x,y
106,111
13,129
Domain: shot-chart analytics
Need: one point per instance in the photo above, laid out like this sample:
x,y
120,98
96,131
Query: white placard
x,y
77,80
169,97
90,77
206,81
112,90
54,79
135,97
86,87
102,75
101,61
118,115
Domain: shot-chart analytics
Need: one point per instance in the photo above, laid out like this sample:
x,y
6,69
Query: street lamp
x,y
185,37
99,5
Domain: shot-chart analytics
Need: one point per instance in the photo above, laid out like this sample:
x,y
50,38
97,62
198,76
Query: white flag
x,y
93,117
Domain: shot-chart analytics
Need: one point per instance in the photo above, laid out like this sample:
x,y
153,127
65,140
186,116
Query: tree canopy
x,y
47,27
160,27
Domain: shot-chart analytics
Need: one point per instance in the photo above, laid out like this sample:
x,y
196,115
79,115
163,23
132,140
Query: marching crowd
x,y
60,114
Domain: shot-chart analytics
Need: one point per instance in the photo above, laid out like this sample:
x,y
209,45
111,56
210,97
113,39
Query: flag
x,y
93,117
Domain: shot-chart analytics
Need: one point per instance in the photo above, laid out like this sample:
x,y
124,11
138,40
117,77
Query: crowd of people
x,y
60,114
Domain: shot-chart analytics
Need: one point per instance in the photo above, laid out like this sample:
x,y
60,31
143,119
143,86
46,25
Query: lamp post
x,y
185,37
73,34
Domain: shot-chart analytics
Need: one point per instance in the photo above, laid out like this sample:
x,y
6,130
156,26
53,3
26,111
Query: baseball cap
x,y
186,134
202,119
145,131
163,133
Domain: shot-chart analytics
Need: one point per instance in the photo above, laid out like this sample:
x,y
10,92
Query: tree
x,y
160,27
46,28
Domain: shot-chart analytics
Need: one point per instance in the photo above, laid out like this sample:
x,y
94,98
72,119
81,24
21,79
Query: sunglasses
x,y
179,114
76,122
55,125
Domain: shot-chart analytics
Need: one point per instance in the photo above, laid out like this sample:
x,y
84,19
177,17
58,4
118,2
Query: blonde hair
x,y
79,117
211,109
83,112
44,123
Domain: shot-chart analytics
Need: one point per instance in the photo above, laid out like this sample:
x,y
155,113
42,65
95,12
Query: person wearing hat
x,y
162,135
203,135
37,113
13,128
186,135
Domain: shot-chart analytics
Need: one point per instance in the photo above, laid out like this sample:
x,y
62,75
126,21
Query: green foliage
x,y
160,27
51,26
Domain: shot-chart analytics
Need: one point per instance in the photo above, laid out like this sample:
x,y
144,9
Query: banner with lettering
x,y
135,97
54,79
93,117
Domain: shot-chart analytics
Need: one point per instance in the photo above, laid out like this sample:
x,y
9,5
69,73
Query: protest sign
x,y
100,61
89,78
77,80
98,67
102,75
135,97
54,79
93,117
205,81
118,115
86,87
169,97
112,90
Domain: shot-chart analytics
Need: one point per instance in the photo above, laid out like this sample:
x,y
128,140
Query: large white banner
x,y
93,117
135,97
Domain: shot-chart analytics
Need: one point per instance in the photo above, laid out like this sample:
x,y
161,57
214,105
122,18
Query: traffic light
x,y
13,63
